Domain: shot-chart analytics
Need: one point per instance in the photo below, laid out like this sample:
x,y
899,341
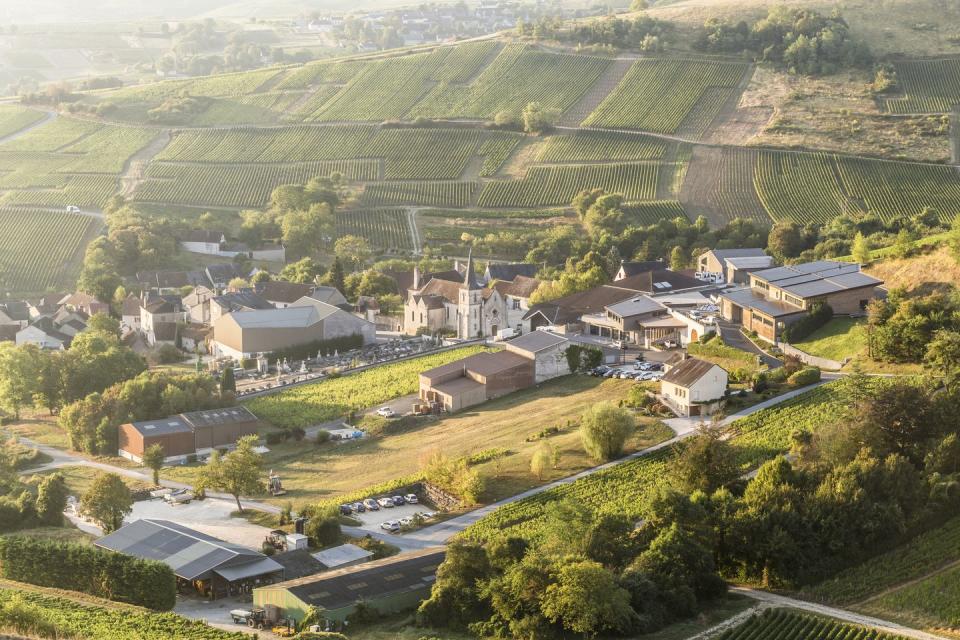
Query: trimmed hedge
x,y
807,375
818,316
90,570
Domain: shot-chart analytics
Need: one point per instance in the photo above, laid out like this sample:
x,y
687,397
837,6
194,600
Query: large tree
x,y
604,429
237,473
107,501
153,457
52,499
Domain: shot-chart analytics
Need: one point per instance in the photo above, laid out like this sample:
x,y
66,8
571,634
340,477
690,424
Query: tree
x,y
227,381
353,249
785,241
19,373
536,118
323,528
861,249
52,499
336,278
104,323
304,271
540,461
237,473
705,463
604,429
153,457
586,599
943,357
236,284
455,600
107,501
903,245
678,259
953,239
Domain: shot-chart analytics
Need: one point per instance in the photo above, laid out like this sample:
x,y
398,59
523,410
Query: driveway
x,y
732,337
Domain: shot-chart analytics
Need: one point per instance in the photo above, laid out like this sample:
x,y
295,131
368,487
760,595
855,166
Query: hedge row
x,y
89,570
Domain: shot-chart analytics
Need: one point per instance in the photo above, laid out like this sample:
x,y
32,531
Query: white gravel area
x,y
210,516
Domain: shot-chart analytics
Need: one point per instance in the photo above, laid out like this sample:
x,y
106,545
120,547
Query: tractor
x,y
285,628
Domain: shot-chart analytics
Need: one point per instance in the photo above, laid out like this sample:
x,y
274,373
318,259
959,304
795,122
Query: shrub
x,y
323,528
760,382
805,376
818,316
275,437
298,433
319,635
778,375
323,436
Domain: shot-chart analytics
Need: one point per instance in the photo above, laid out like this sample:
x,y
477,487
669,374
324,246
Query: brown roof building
x,y
188,433
476,379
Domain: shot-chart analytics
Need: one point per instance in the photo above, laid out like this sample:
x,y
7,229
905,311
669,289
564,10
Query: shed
x,y
345,555
173,434
390,585
221,427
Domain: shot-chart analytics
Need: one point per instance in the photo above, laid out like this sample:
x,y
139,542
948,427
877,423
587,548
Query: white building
x,y
547,350
694,387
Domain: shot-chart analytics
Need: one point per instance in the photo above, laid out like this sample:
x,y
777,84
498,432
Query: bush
x,y
760,382
818,316
802,378
267,549
323,436
88,569
604,429
778,375
167,354
275,437
323,528
297,433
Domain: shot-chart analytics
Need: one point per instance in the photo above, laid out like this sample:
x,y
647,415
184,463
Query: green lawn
x,y
718,352
839,339
311,473
79,479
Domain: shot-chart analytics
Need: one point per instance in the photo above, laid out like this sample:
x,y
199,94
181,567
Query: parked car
x,y
390,525
386,412
611,373
371,504
346,510
386,503
406,522
358,507
599,371
411,498
398,501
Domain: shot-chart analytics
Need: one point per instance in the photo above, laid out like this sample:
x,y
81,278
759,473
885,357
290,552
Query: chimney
x,y
416,278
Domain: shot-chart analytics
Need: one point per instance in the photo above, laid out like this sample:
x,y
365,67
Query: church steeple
x,y
470,279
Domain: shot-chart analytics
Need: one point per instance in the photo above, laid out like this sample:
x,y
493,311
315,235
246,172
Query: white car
x,y
386,503
386,412
390,525
406,522
411,498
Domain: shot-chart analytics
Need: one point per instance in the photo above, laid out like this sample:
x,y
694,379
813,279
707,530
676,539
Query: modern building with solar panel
x,y
215,568
390,585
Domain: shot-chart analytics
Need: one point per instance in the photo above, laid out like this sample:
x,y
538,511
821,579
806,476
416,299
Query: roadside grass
x,y
312,473
838,339
79,478
931,603
41,428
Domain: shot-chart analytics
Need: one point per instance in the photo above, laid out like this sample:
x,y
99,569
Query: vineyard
x,y
795,184
927,552
928,86
622,488
331,399
931,602
594,146
13,118
238,185
39,249
658,95
647,213
429,194
792,625
42,614
557,185
383,228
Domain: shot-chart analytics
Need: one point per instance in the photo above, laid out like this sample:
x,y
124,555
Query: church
x,y
457,304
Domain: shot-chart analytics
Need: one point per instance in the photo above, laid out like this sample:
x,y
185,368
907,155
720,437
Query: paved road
x,y
841,614
731,336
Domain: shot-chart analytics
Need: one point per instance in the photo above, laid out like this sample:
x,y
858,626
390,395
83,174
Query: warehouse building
x,y
390,585
214,568
197,432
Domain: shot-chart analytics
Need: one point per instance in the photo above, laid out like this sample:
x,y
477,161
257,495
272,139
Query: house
x,y
325,295
44,333
214,567
171,282
160,309
130,313
547,350
475,379
84,303
244,335
197,304
509,272
15,313
47,305
694,387
628,269
187,434
235,302
465,308
220,275
195,337
390,585
780,296
203,241
714,262
281,293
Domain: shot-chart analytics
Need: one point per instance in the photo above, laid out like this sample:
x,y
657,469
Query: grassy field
x,y
312,473
40,428
839,339
730,358
79,478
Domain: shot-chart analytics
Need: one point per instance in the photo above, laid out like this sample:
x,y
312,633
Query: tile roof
x,y
688,372
283,291
519,287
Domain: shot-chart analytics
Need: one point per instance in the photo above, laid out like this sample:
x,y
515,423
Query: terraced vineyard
x,y
659,95
238,185
647,213
383,228
557,185
431,194
932,602
782,623
39,250
928,86
802,187
594,146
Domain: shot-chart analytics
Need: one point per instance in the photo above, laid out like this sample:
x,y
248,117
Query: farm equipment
x,y
255,618
276,487
285,628
277,539
180,496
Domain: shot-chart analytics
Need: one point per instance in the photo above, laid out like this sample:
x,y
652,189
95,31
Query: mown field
x,y
793,625
40,250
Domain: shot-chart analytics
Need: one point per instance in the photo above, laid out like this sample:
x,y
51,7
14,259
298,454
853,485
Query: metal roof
x,y
635,306
344,554
537,341
210,417
162,427
687,372
289,317
750,262
191,554
748,299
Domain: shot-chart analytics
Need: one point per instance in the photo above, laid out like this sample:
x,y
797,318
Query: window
x,y
794,300
516,304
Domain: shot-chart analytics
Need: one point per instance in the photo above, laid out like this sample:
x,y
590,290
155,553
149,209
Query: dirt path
x,y
597,92
414,232
730,623
135,168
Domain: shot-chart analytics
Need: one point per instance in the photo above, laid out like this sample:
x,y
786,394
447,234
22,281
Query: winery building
x,y
197,432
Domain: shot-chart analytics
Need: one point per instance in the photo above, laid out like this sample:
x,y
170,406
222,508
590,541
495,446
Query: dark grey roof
x,y
535,341
748,299
162,426
240,300
634,268
344,587
820,278
16,310
223,272
469,277
508,272
723,254
191,554
688,371
659,281
635,306
203,235
283,291
210,417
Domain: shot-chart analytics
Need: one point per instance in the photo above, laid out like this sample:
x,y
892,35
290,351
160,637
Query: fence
x,y
806,358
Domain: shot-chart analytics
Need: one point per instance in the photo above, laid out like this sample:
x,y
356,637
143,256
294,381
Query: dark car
x,y
398,500
346,510
358,507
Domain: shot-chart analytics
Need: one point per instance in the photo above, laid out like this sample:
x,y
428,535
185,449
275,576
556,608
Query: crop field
x,y
330,399
517,76
38,249
594,146
931,602
793,185
215,86
783,623
13,118
558,184
496,151
57,134
238,185
658,95
383,228
496,214
427,194
928,86
647,213
324,72
105,150
83,190
256,108
621,489
926,553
